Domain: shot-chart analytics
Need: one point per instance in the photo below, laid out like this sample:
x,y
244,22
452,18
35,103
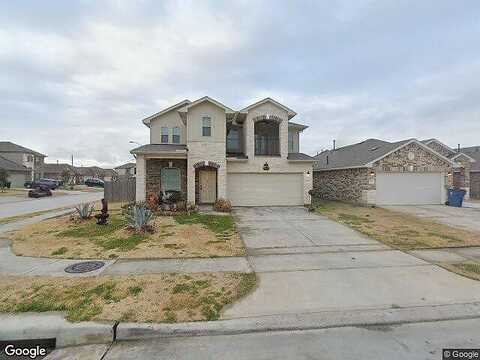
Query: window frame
x,y
205,117
163,172
162,135
175,136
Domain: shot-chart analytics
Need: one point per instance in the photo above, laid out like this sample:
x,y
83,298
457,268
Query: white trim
x,y
147,120
290,112
459,154
412,141
209,99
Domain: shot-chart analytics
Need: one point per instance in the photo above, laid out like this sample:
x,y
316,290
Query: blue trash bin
x,y
455,197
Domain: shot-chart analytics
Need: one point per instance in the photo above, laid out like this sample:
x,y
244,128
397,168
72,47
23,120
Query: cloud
x,y
77,78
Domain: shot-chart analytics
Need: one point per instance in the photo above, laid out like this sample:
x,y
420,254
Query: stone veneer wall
x,y
439,148
344,185
475,185
153,174
424,161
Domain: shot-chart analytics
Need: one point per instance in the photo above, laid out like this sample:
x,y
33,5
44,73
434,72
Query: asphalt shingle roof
x,y
154,148
299,156
8,146
356,155
474,152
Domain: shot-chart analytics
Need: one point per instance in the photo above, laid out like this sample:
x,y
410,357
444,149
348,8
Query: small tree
x,y
65,175
3,179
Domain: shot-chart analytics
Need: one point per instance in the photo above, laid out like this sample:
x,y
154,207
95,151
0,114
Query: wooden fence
x,y
121,190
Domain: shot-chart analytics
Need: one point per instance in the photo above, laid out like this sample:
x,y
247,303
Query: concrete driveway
x,y
307,263
467,218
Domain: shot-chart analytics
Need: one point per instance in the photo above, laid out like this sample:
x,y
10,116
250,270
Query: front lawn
x,y
399,230
183,236
146,298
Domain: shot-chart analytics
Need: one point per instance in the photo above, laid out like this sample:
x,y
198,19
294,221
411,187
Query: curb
x,y
52,325
309,321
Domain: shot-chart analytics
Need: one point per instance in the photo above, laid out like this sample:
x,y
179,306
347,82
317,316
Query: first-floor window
x,y
176,135
170,179
164,138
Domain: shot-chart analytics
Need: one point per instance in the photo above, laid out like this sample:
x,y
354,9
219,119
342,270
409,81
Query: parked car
x,y
50,183
40,191
95,183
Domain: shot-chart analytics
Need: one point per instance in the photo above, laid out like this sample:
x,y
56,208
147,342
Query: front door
x,y
207,186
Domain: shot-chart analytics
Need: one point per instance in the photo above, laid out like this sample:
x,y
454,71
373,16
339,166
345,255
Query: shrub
x,y
84,210
138,217
222,205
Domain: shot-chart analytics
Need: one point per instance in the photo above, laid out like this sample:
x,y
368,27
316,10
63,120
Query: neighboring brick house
x,y
23,156
377,172
466,173
57,171
209,151
17,174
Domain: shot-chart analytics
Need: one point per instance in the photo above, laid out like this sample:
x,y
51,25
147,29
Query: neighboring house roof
x,y
126,166
11,165
159,148
446,147
290,112
299,126
8,146
55,168
363,154
299,157
181,104
88,170
473,152
109,172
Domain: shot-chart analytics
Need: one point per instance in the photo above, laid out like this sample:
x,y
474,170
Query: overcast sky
x,y
77,77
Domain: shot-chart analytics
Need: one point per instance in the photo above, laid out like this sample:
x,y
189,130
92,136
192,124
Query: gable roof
x,y
299,157
8,146
210,100
429,141
10,165
181,104
128,165
473,152
301,127
290,112
55,168
363,154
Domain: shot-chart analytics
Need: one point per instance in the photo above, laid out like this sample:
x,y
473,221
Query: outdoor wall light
x,y
372,172
266,167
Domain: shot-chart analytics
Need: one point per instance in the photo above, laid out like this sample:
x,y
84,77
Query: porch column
x,y
222,181
140,189
190,182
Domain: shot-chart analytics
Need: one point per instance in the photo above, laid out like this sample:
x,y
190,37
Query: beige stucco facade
x,y
210,151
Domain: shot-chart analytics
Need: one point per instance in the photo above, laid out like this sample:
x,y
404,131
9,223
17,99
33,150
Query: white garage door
x,y
409,188
265,189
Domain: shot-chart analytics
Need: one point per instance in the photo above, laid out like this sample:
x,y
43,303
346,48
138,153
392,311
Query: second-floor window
x,y
234,141
164,137
206,126
267,140
176,135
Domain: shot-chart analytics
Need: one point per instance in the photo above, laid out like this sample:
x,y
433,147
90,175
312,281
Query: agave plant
x,y
84,210
138,216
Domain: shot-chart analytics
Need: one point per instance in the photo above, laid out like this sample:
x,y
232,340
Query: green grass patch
x,y
89,228
135,290
125,244
353,219
191,287
219,224
60,251
470,267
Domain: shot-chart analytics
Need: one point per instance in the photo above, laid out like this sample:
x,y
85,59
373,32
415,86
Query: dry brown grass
x,y
147,298
65,237
14,192
399,230
468,269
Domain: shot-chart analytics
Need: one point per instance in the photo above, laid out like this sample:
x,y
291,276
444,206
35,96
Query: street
x,y
27,206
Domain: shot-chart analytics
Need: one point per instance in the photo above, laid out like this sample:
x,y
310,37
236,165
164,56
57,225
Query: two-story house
x,y
23,156
208,151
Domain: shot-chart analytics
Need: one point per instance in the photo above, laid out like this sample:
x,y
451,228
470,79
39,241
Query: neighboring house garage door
x,y
409,188
265,189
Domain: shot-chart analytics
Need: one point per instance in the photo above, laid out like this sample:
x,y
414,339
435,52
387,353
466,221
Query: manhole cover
x,y
84,267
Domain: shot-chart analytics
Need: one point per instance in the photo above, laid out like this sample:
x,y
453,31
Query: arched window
x,y
267,138
170,179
